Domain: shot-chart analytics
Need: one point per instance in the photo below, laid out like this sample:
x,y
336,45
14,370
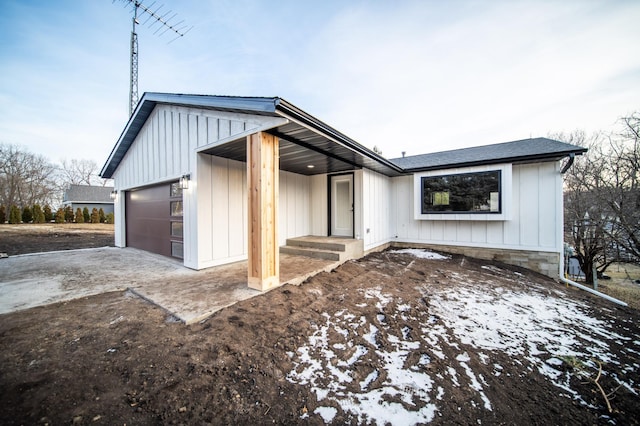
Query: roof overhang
x,y
307,145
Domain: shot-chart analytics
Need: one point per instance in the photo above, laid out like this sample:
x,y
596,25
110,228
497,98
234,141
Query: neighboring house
x,y
89,196
218,179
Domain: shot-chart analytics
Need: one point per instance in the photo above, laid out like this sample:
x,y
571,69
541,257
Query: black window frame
x,y
426,208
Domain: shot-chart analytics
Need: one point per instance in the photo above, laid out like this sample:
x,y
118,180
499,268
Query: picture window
x,y
478,192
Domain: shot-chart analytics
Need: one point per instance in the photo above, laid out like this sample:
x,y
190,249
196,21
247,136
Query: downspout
x,y
561,274
566,167
590,290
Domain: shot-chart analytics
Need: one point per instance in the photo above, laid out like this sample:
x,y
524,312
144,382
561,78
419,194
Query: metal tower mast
x,y
133,80
180,29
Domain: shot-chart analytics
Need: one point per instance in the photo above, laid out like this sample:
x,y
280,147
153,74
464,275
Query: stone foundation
x,y
546,263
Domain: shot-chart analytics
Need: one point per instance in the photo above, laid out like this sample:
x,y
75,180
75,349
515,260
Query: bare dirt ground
x,y
32,238
390,338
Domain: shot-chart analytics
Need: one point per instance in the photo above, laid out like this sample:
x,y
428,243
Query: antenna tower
x,y
154,17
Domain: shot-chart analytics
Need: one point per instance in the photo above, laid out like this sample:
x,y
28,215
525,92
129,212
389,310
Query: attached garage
x,y
154,219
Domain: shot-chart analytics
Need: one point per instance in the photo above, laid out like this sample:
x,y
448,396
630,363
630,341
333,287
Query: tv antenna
x,y
164,24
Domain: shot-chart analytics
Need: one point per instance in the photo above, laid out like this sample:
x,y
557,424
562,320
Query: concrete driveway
x,y
39,279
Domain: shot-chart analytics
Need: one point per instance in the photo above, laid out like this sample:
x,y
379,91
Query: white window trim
x,y
505,192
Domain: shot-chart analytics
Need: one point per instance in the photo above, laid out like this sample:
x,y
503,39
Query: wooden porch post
x,y
263,166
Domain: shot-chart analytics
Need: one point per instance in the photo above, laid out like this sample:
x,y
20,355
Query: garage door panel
x,y
148,216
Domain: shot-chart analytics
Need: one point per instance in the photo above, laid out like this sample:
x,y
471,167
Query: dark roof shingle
x,y
88,193
537,149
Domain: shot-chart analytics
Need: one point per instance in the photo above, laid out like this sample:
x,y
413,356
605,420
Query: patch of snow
x,y
454,376
403,307
421,254
424,359
369,379
376,293
359,352
528,325
463,359
117,320
327,413
371,335
388,383
555,362
330,380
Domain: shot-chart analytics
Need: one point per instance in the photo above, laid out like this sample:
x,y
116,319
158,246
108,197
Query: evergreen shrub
x,y
60,215
79,216
38,214
69,216
48,214
95,216
14,215
27,214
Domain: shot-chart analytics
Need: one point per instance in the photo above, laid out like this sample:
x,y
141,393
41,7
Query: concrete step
x,y
310,252
330,244
329,248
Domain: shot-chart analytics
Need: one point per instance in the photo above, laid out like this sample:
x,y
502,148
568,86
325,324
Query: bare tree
x,y
620,186
602,197
25,178
80,172
584,228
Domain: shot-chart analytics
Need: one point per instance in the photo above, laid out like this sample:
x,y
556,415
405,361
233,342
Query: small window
x,y
176,229
176,191
462,193
176,208
177,249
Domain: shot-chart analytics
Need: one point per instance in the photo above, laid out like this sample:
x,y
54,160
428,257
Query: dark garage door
x,y
154,219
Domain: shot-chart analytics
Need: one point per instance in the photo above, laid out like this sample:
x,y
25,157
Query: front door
x,y
341,188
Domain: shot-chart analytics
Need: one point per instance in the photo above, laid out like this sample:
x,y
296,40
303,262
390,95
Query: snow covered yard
x,y
479,338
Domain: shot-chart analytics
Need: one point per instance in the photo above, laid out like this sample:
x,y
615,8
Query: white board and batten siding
x,y
533,222
294,205
377,209
167,147
221,208
319,201
222,213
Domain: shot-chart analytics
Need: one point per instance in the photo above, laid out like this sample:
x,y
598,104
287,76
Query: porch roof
x,y
304,140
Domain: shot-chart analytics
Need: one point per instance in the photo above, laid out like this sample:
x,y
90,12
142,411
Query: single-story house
x,y
89,196
219,179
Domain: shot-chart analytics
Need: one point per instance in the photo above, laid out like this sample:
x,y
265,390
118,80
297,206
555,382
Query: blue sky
x,y
414,76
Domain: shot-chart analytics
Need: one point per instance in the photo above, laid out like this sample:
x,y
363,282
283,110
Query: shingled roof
x,y
521,151
88,194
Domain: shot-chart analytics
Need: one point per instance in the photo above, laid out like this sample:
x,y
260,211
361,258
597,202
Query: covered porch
x,y
323,167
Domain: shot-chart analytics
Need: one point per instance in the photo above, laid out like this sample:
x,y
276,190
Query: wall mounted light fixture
x,y
113,195
184,181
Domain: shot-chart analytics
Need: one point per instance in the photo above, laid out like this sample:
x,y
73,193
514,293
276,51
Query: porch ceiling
x,y
301,148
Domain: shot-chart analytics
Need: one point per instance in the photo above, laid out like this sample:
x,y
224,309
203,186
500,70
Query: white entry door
x,y
342,205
